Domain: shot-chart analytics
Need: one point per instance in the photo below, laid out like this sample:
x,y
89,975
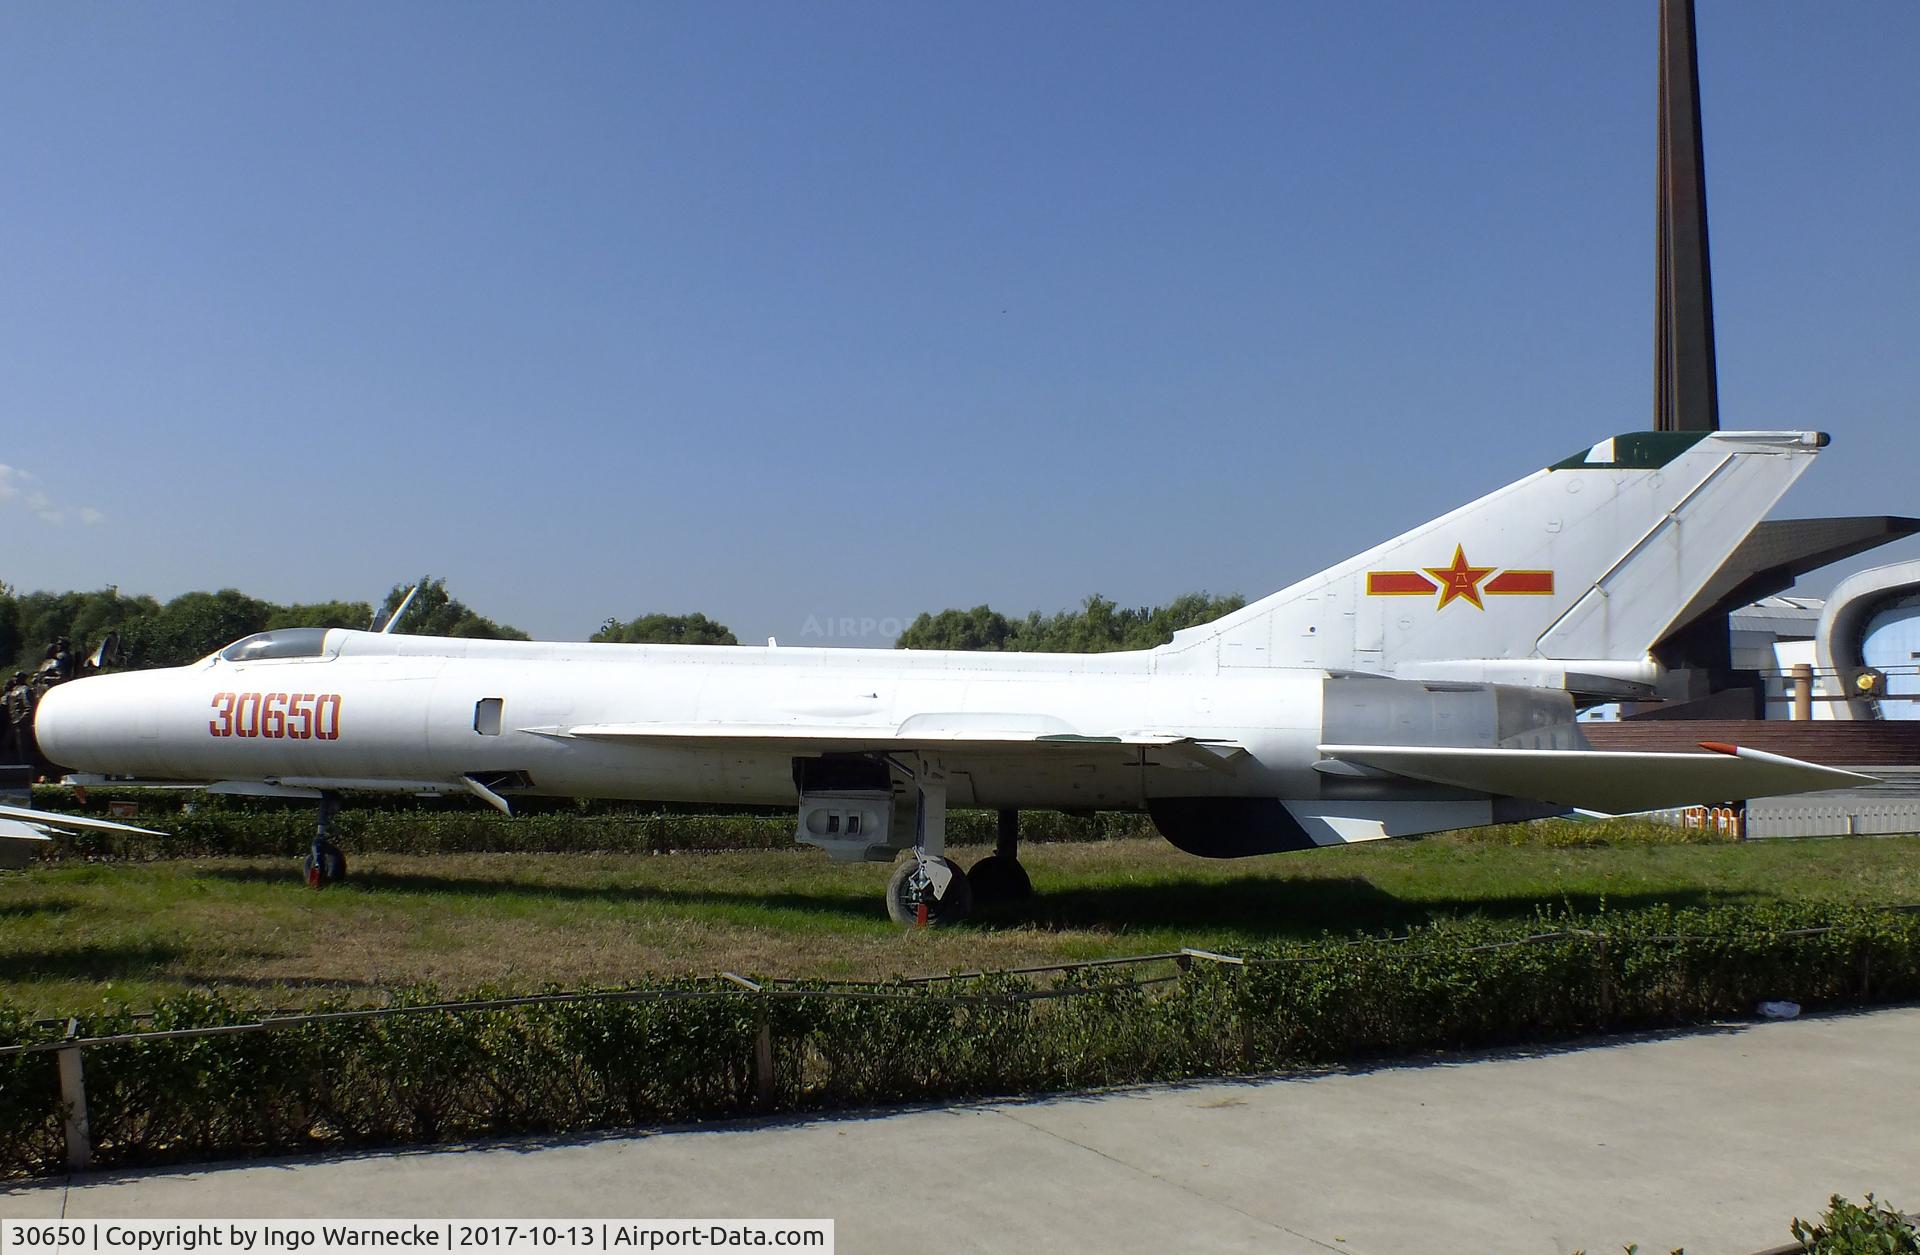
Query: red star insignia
x,y
1460,580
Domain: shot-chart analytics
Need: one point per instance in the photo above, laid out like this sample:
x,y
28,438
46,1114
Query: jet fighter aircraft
x,y
1429,683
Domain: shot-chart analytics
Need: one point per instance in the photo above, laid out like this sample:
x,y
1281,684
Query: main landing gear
x,y
325,864
927,888
855,806
999,879
916,896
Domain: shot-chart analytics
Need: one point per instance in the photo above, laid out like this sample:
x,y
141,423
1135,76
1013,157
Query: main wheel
x,y
909,890
998,879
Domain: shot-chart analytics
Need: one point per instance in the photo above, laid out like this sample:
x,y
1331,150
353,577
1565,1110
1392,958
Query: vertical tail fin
x,y
1588,561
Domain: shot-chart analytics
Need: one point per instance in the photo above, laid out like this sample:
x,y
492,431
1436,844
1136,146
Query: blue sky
x,y
797,314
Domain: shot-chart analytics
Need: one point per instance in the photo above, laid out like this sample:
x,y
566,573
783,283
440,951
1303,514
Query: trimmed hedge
x,y
219,831
160,801
684,1051
225,826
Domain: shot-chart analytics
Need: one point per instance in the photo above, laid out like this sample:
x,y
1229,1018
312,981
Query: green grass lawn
x,y
73,933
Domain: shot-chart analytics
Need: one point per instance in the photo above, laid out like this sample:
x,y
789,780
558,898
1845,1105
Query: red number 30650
x,y
294,716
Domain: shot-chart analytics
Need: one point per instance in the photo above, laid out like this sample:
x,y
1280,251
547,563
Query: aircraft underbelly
x,y
765,778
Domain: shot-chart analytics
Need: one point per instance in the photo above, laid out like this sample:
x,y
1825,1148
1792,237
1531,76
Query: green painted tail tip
x,y
1632,451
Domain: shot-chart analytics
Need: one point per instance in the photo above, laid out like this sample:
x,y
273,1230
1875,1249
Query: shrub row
x,y
1849,1228
160,801
215,832
686,1052
1845,1228
217,826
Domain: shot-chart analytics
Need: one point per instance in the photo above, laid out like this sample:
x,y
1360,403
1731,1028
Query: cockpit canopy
x,y
301,642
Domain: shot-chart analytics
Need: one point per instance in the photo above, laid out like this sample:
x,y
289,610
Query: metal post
x,y
73,1096
1606,980
1686,389
762,1041
763,1062
1803,691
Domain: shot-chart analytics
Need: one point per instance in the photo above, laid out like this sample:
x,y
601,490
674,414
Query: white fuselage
x,y
1408,689
406,710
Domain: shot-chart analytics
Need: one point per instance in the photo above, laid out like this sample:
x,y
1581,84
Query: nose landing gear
x,y
325,863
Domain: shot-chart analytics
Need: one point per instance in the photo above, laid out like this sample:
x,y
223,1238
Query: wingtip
x,y
1721,747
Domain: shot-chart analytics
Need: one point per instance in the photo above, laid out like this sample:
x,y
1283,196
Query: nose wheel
x,y
325,863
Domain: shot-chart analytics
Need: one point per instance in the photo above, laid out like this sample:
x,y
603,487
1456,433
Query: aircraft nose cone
x,y
71,723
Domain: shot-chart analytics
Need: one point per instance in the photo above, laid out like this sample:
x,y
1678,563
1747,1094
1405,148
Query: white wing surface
x,y
1617,783
39,823
969,732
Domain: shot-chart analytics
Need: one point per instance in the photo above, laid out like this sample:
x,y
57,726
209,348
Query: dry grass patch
x,y
75,933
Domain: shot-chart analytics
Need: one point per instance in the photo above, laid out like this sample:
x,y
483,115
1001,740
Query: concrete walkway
x,y
1711,1140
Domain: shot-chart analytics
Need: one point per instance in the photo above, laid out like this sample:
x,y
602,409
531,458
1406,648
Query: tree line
x,y
1100,626
153,633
